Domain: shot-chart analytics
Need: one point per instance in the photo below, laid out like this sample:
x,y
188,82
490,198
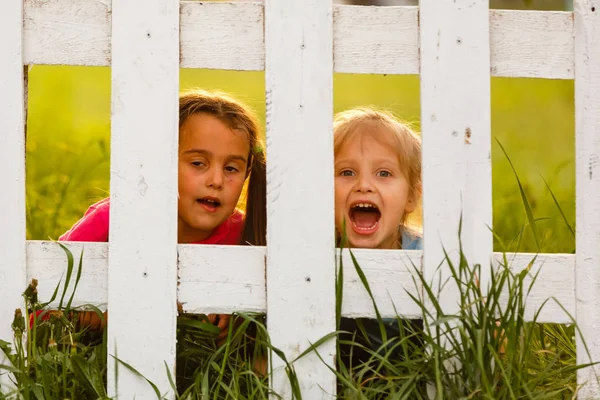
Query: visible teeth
x,y
365,205
365,228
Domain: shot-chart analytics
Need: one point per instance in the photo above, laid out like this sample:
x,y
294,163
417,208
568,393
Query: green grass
x,y
483,349
59,356
68,143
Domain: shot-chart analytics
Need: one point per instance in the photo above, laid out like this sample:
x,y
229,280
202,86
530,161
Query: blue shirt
x,y
411,240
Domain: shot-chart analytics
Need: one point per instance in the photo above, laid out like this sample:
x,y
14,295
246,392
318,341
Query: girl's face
x,y
212,168
371,192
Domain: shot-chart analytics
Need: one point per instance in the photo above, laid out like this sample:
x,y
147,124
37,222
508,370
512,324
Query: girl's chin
x,y
373,242
364,243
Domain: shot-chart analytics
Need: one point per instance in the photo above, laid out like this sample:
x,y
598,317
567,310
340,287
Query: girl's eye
x,y
346,172
231,169
384,174
197,163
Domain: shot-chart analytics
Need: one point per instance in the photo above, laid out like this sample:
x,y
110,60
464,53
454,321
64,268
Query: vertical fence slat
x,y
12,166
587,144
300,240
455,124
142,267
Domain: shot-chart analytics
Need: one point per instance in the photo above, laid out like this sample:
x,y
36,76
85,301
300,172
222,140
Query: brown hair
x,y
406,142
236,115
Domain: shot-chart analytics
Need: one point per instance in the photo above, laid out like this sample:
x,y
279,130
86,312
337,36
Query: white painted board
x,y
587,190
142,252
456,134
367,40
224,279
300,238
12,168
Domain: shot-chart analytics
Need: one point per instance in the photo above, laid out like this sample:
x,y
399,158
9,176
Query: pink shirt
x,y
93,227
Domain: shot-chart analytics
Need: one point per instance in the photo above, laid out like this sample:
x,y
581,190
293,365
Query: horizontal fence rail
x,y
368,40
223,279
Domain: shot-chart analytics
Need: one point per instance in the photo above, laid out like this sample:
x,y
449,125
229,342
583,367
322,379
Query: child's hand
x,y
222,321
92,320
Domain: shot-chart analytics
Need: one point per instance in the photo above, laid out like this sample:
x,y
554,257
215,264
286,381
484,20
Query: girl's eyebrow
x,y
385,161
206,153
242,159
379,163
344,160
199,151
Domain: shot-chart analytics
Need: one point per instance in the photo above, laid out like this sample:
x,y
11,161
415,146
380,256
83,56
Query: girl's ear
x,y
411,201
410,206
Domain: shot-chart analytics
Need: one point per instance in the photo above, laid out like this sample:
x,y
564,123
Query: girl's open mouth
x,y
365,218
210,204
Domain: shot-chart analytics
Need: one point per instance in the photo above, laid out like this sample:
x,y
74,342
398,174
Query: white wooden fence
x,y
454,45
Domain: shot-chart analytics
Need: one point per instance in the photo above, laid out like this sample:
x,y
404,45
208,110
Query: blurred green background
x,y
68,142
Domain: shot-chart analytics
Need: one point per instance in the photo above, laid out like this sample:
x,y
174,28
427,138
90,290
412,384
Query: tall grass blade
x,y
557,204
137,373
314,346
81,371
70,263
528,211
366,285
54,294
171,381
339,291
77,279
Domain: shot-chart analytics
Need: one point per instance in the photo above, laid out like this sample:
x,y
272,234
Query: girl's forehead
x,y
368,140
206,124
207,131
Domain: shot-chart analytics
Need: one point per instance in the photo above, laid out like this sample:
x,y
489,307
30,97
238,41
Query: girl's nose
x,y
215,178
364,184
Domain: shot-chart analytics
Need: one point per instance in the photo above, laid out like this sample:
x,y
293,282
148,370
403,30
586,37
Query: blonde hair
x,y
405,141
236,115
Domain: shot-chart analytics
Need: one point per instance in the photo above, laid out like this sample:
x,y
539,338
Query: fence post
x,y
12,167
300,234
142,262
455,124
587,145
